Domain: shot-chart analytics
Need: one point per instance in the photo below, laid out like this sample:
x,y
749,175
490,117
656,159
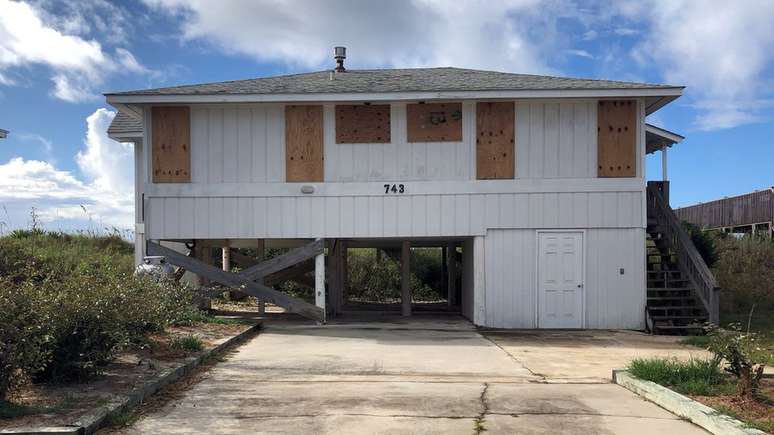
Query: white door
x,y
560,280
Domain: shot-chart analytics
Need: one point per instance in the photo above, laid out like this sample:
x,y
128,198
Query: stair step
x,y
674,307
699,318
653,272
669,279
669,298
678,327
670,289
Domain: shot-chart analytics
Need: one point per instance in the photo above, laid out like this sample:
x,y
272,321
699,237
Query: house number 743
x,y
394,188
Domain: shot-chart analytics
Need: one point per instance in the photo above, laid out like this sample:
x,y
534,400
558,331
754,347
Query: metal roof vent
x,y
339,53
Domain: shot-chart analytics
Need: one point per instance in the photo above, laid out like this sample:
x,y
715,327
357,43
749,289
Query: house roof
x,y
124,126
3,133
394,80
657,138
417,84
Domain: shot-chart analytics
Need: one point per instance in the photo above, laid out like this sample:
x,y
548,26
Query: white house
x,y
539,180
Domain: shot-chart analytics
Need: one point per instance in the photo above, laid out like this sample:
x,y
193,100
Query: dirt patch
x,y
62,404
758,414
247,305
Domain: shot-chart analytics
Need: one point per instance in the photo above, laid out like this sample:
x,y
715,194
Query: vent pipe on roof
x,y
339,53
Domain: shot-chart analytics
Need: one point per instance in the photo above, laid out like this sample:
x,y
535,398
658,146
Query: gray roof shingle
x,y
124,124
394,80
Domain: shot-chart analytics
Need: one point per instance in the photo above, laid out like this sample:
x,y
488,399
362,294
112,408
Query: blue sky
x,y
56,58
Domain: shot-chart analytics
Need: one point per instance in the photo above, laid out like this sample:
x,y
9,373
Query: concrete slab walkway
x,y
419,376
587,355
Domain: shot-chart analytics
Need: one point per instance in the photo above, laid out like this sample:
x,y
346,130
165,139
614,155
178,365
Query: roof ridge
x,y
441,78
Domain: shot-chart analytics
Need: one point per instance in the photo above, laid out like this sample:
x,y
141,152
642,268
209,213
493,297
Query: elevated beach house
x,y
534,185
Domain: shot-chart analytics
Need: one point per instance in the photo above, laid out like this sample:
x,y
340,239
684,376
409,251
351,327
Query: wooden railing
x,y
688,257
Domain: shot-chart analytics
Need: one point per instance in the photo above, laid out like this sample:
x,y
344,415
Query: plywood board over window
x,y
434,122
366,123
495,140
617,138
304,152
171,139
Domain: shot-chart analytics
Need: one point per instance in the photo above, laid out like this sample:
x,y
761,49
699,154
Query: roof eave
x,y
660,96
657,138
664,133
125,136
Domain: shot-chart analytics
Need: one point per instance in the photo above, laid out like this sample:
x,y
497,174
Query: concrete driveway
x,y
418,376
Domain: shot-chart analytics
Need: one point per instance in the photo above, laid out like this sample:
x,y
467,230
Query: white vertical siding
x,y
399,159
556,139
613,300
139,186
380,215
510,278
243,144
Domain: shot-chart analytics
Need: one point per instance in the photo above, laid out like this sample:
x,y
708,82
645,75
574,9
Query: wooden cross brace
x,y
244,280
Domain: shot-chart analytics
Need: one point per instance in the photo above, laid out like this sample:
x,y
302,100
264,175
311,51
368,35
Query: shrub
x,y
24,336
68,303
695,376
370,280
744,358
100,313
745,272
704,242
188,343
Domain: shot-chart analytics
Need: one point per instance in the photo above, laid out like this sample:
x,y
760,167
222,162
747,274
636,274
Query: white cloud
x,y
496,35
580,53
108,164
46,145
30,179
78,65
104,197
720,50
625,31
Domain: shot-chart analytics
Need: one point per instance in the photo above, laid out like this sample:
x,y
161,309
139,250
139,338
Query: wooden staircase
x,y
672,306
681,291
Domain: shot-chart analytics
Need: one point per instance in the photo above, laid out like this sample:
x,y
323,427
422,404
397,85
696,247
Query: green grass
x,y
761,323
189,343
696,376
760,425
199,316
122,419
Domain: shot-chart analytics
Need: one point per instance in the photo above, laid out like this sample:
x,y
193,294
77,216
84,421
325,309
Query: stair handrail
x,y
688,256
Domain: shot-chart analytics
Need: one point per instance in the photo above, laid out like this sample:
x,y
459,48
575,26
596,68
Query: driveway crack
x,y
478,423
516,360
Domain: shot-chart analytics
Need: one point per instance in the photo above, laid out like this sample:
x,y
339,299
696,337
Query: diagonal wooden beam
x,y
233,280
241,260
289,273
284,261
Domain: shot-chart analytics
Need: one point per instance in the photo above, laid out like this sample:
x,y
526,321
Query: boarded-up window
x,y
363,123
436,122
304,143
495,143
171,138
617,138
